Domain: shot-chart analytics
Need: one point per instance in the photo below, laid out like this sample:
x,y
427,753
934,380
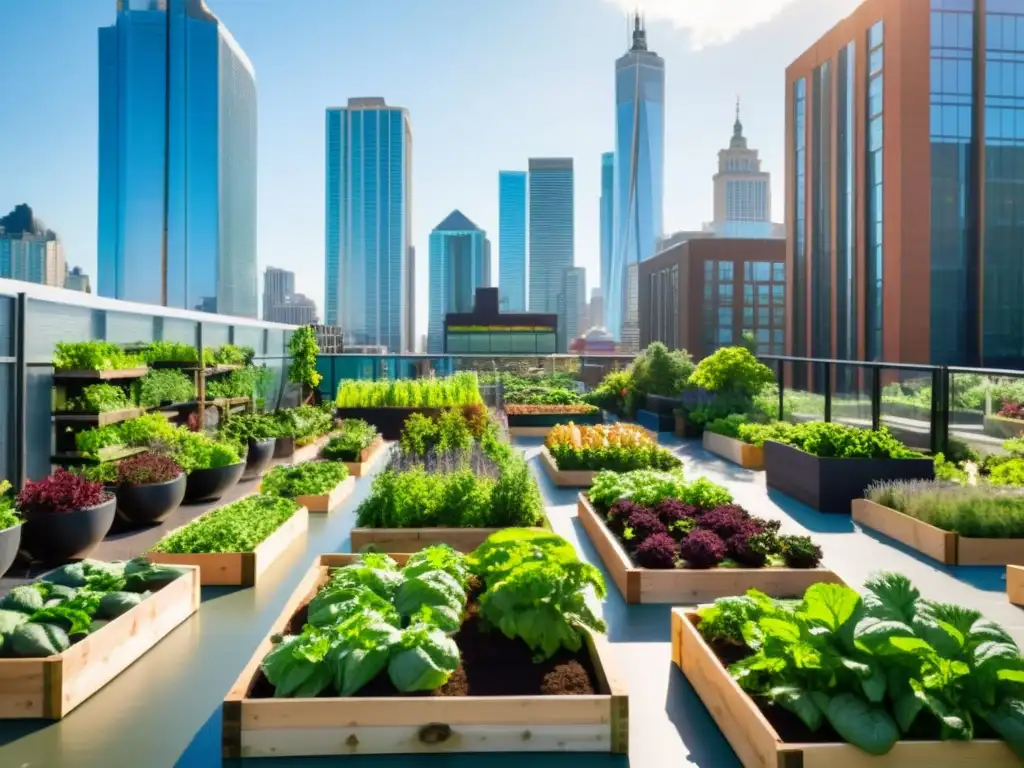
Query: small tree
x,y
303,349
748,342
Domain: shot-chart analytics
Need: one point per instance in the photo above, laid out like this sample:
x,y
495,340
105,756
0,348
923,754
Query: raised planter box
x,y
124,373
388,421
642,585
325,502
757,743
419,724
239,569
656,422
567,478
681,427
367,459
746,455
945,546
50,688
1003,428
539,424
410,540
1015,584
97,419
309,452
830,485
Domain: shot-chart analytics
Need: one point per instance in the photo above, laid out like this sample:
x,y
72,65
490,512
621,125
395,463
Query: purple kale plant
x,y
725,521
702,549
672,510
656,551
619,514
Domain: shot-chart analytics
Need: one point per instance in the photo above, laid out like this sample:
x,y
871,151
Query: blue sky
x,y
488,84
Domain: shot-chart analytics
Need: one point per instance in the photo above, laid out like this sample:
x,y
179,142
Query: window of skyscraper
x,y
799,144
875,266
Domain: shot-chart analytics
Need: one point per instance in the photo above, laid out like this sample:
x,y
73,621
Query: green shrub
x,y
830,440
165,385
93,356
237,527
610,394
1008,472
732,370
657,371
312,478
757,434
728,426
981,511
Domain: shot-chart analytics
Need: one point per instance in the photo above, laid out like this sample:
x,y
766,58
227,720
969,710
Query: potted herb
x,y
258,431
212,467
150,487
10,528
162,387
66,516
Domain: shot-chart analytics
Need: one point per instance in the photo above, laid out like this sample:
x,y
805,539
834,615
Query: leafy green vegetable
x,y
114,604
11,620
23,599
442,593
424,659
439,557
237,527
870,666
296,665
311,478
37,641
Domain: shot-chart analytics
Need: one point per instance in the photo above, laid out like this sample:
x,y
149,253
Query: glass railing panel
x,y
801,403
851,395
906,408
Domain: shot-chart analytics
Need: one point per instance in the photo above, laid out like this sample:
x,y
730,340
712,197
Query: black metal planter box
x,y
553,419
656,422
830,485
388,421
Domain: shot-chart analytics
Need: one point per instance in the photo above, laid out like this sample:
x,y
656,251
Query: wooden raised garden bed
x,y
830,485
687,586
388,421
325,502
757,743
410,540
309,452
1015,584
239,569
267,727
367,459
565,478
746,455
126,373
545,421
50,688
945,546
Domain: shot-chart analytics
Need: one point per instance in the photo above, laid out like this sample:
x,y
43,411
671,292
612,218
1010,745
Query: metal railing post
x,y
781,376
876,398
828,391
20,394
939,437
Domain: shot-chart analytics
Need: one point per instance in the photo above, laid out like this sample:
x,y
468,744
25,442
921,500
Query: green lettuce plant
x,y
9,516
165,385
100,398
348,443
312,478
876,668
93,356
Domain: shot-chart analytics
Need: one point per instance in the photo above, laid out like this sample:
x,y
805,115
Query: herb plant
x,y
134,433
305,423
147,469
9,516
93,356
830,440
194,451
303,349
311,478
243,427
165,385
878,668
348,443
100,398
61,492
170,352
229,354
981,511
237,527
240,382
617,447
458,390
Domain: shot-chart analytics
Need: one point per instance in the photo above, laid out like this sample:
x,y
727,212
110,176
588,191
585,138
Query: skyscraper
x,y
512,240
278,287
743,197
177,160
459,255
607,218
639,168
368,223
905,160
28,250
573,303
551,192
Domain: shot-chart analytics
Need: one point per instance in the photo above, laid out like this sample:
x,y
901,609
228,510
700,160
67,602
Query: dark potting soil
x,y
492,665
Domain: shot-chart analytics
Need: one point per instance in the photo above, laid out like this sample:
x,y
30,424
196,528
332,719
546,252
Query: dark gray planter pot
x,y
211,484
284,447
151,504
830,485
67,536
10,543
259,457
661,404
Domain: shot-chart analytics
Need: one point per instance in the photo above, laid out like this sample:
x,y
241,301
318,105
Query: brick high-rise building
x,y
904,161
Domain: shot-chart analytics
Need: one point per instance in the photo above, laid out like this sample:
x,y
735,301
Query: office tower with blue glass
x,y
177,160
459,264
639,169
551,205
905,165
512,240
369,288
607,217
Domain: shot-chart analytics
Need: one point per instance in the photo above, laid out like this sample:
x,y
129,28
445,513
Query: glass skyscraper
x,y
607,228
177,160
369,211
639,167
512,240
459,264
551,193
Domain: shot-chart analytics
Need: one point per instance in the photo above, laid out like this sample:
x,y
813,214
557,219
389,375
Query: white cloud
x,y
710,22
